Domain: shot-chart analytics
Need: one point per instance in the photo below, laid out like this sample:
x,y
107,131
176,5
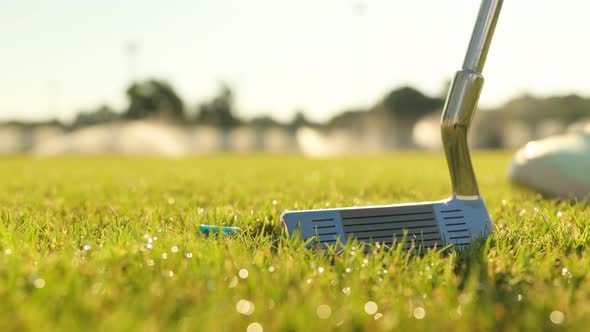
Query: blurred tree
x,y
299,120
409,104
264,122
153,98
219,111
349,118
103,114
566,109
406,106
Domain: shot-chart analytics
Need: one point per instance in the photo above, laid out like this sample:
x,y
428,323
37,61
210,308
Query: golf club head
x,y
425,225
457,221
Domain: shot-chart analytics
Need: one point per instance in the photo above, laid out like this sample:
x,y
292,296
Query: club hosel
x,y
456,119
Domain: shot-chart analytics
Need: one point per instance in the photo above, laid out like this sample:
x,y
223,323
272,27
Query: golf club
x,y
458,220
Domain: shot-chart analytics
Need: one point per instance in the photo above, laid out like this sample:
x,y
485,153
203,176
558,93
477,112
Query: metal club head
x,y
425,225
458,220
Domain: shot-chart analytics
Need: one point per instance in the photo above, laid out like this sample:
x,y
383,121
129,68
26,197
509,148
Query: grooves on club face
x,y
428,225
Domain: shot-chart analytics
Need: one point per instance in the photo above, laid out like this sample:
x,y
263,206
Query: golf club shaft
x,y
482,35
462,102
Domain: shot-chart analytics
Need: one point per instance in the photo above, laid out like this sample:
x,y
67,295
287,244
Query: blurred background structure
x,y
322,78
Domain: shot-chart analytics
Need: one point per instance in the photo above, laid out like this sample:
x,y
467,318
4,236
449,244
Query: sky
x,y
320,56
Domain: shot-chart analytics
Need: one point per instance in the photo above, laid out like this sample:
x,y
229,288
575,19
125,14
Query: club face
x,y
427,225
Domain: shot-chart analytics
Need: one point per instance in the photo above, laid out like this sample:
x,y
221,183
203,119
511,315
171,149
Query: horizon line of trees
x,y
157,99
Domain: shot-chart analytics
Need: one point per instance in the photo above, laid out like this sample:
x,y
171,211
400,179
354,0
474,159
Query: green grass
x,y
535,264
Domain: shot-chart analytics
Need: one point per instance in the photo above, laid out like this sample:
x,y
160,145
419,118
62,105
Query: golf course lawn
x,y
112,244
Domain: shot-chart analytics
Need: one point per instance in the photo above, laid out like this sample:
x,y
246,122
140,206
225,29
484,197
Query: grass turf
x,y
113,244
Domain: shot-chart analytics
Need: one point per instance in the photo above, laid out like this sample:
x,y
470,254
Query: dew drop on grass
x,y
164,256
149,246
149,240
519,297
174,249
171,273
171,200
255,327
245,307
308,281
321,269
7,252
371,308
559,214
323,311
146,236
150,262
419,313
378,315
564,271
243,273
348,270
557,317
189,255
39,283
86,247
271,269
346,291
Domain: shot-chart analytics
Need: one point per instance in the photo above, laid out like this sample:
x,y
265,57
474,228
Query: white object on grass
x,y
556,166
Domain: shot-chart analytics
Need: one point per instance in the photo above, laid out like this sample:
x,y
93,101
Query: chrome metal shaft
x,y
462,102
481,38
